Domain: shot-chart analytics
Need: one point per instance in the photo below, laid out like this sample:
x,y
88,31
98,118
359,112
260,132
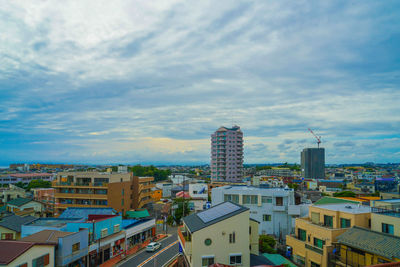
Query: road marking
x,y
158,253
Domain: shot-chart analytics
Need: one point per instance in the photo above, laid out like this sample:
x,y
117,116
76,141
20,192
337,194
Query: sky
x,y
106,82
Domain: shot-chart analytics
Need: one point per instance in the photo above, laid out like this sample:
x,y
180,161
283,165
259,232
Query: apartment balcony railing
x,y
64,206
71,184
392,211
186,240
80,196
314,248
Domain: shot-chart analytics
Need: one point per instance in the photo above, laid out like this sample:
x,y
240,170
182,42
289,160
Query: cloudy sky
x,y
149,81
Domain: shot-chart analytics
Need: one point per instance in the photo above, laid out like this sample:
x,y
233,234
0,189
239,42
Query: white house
x,y
274,208
199,190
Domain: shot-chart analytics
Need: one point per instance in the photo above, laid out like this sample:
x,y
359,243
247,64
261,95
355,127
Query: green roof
x,y
19,201
378,243
137,214
333,200
278,259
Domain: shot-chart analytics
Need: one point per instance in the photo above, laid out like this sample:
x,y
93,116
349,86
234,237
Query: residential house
x,y
274,208
22,204
315,235
223,234
26,254
10,226
71,247
10,193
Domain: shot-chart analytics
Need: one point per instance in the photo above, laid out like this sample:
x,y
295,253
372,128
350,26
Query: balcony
x,y
80,196
185,239
57,184
64,206
278,208
315,249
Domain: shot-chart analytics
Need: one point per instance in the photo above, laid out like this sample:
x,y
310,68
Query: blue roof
x,y
53,222
131,222
85,212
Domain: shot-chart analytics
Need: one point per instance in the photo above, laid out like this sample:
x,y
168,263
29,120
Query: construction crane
x,y
317,137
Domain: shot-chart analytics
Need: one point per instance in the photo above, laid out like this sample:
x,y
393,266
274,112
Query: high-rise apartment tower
x,y
313,163
227,154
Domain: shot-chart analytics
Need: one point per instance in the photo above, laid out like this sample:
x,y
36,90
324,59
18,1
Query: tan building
x,y
121,191
223,234
385,217
315,236
26,254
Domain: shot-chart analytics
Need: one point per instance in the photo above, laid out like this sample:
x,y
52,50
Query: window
x,y
104,232
207,242
23,265
387,228
116,228
207,260
319,243
232,238
7,236
123,190
344,223
76,247
301,234
232,198
279,201
328,221
266,199
249,230
315,217
235,259
41,261
122,202
266,218
313,264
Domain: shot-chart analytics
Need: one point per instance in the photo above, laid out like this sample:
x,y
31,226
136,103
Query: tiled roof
x,y
19,201
378,243
14,222
10,250
195,223
46,236
85,212
333,200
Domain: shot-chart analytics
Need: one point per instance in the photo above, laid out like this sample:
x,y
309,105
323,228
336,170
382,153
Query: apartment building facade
x,y
313,163
316,234
121,191
227,154
274,208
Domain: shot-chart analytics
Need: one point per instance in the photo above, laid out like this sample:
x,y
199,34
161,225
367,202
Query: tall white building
x,y
274,208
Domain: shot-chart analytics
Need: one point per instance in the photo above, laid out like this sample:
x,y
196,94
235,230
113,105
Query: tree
x,y
266,244
38,184
179,211
151,170
344,194
293,185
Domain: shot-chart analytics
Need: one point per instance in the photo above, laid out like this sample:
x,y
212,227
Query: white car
x,y
153,246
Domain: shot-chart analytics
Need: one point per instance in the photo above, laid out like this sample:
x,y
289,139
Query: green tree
x,y
266,244
293,185
179,211
344,194
38,184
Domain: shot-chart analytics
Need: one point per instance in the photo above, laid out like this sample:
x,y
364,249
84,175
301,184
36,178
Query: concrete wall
x,y
33,253
114,196
98,226
254,245
378,219
220,246
64,251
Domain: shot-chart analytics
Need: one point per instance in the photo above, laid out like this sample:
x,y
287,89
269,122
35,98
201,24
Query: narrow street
x,y
168,250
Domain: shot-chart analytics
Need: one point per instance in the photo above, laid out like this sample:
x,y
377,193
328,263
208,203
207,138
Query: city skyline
x,y
133,82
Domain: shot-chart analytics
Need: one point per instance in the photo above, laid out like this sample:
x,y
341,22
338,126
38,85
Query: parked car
x,y
153,246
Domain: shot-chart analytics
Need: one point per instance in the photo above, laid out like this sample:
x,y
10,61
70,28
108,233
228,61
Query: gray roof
x,y
195,223
382,244
14,222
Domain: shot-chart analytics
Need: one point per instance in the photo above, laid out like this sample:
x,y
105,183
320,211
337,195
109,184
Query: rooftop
x,y
10,250
22,175
19,201
217,213
85,212
14,222
46,236
333,200
250,188
347,208
382,244
53,222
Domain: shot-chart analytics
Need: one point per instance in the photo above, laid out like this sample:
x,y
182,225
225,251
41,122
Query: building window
x,y
232,198
122,202
7,236
328,221
116,228
232,238
249,230
301,234
319,243
344,223
123,190
41,261
387,228
313,264
266,218
23,265
104,232
235,259
207,261
76,247
207,242
266,199
279,201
